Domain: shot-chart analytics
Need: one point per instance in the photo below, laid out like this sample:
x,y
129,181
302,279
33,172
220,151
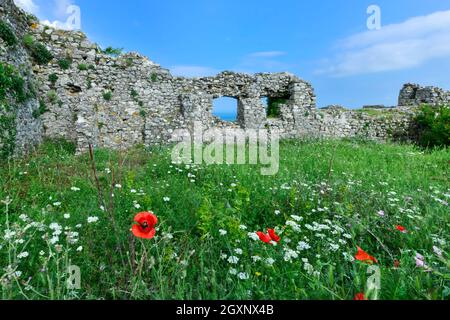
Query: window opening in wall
x,y
225,108
273,106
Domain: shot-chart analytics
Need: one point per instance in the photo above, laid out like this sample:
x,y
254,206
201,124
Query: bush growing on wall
x,y
7,34
53,78
273,106
12,88
433,123
37,50
113,52
107,95
41,110
64,63
154,77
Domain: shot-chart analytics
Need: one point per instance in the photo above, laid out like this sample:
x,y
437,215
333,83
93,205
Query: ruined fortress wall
x,y
122,101
414,94
18,127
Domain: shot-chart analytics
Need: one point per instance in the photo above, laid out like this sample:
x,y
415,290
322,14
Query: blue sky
x,y
325,42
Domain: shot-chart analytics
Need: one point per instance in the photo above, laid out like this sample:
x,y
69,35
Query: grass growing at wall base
x,y
325,201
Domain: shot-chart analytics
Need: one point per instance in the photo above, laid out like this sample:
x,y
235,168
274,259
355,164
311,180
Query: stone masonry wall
x,y
28,130
118,102
414,94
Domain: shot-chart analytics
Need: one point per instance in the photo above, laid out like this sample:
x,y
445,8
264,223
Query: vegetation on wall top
x,y
113,52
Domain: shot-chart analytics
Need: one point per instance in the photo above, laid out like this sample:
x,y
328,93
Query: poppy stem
x,y
94,170
381,243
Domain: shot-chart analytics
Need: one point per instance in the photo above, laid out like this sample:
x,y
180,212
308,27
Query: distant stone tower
x,y
414,95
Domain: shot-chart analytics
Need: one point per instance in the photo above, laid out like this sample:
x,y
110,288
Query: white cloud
x,y
61,6
62,9
193,71
65,9
395,47
27,5
263,61
267,54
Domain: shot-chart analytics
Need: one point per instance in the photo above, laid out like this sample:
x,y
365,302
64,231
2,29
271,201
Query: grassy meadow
x,y
328,198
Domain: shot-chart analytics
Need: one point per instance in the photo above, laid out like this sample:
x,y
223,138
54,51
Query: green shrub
x,y
7,135
37,50
41,54
154,77
11,83
31,18
82,67
41,110
53,78
65,63
28,40
433,124
7,34
52,96
42,107
273,106
107,95
113,52
134,94
12,87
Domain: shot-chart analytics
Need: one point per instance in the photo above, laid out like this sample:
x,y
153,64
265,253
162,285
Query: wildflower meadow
x,y
342,220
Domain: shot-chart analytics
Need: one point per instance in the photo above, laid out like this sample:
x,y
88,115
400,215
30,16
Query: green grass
x,y
334,189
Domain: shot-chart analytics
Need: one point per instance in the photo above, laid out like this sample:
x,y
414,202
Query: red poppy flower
x,y
273,235
264,237
360,296
400,228
145,228
363,256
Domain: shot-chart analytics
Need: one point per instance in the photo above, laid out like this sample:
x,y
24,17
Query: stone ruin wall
x,y
414,94
148,104
165,103
28,130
